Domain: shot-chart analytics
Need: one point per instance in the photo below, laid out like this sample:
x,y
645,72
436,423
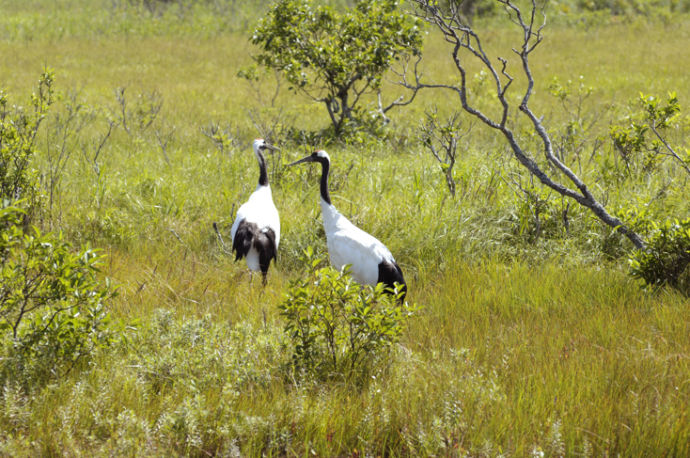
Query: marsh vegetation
x,y
531,327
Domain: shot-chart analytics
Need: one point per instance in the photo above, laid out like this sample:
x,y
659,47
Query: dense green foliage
x,y
336,58
52,305
531,337
667,257
340,329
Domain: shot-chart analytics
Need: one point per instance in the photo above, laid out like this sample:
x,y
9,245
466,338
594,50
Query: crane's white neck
x,y
330,216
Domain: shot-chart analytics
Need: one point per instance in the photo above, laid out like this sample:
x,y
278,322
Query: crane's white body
x,y
369,259
260,210
256,229
348,244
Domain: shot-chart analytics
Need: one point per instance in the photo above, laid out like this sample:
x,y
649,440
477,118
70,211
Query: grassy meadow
x,y
529,341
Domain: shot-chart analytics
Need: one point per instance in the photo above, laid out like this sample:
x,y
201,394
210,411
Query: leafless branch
x,y
403,81
671,151
220,240
163,142
122,102
93,158
467,43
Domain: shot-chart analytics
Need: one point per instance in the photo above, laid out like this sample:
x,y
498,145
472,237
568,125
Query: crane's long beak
x,y
304,159
272,148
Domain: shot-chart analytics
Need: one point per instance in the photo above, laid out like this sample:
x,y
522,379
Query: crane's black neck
x,y
325,165
263,176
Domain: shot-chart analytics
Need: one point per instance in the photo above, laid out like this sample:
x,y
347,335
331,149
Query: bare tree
x,y
441,138
467,45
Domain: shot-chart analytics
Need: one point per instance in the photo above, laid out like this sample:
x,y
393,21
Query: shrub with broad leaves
x,y
52,305
339,328
666,260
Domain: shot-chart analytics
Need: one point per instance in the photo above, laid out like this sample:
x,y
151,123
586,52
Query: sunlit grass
x,y
522,346
495,362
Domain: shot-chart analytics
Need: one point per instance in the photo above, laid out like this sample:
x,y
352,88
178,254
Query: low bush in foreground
x,y
340,329
52,305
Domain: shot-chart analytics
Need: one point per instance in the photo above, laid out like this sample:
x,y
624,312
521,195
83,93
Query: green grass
x,y
523,345
494,363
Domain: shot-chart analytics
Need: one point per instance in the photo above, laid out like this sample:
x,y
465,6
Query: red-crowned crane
x,y
256,230
371,262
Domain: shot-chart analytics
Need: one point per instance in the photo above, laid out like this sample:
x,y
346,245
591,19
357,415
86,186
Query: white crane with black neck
x,y
371,262
256,229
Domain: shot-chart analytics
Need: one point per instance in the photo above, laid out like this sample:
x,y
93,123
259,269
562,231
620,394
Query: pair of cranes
x,y
256,231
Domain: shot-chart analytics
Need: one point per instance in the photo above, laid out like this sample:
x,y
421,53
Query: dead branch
x,y
671,151
468,44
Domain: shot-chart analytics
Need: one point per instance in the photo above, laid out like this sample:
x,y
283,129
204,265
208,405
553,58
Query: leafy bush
x,y
667,257
52,306
18,130
645,134
336,58
52,311
339,328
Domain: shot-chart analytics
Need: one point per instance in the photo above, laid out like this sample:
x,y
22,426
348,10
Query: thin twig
x,y
220,239
671,150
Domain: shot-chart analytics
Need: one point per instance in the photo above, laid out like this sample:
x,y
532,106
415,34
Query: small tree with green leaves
x,y
338,327
646,134
336,58
52,305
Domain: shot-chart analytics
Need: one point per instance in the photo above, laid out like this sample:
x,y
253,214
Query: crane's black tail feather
x,y
249,235
242,241
389,274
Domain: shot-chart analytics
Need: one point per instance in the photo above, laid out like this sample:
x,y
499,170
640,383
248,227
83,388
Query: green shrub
x,y
52,306
336,58
340,329
667,257
52,311
18,130
644,135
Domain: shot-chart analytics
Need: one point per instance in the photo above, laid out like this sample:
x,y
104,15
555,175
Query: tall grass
x,y
574,362
525,345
